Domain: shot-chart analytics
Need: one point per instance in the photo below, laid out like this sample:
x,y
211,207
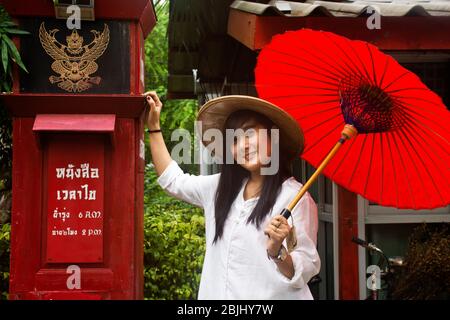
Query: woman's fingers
x,y
270,231
282,233
274,236
278,227
151,102
277,230
279,220
152,96
152,99
156,98
151,93
154,106
279,233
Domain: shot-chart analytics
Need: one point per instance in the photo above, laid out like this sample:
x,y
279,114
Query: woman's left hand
x,y
277,230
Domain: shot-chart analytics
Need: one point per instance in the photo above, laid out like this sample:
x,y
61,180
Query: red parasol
x,y
401,154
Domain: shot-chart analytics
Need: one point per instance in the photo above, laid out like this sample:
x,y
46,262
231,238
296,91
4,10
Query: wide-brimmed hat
x,y
214,113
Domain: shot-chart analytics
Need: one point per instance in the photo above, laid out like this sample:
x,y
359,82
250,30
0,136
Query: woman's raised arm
x,y
194,189
160,155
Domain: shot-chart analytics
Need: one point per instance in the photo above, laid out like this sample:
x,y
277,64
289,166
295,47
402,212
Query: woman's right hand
x,y
153,114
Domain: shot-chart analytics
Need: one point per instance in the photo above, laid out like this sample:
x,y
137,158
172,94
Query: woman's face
x,y
251,147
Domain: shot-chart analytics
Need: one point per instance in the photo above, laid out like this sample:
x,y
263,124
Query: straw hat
x,y
215,112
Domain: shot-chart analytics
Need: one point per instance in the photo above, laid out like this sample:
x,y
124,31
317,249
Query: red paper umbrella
x,y
401,154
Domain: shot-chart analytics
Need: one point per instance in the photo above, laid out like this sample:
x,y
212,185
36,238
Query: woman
x,y
246,238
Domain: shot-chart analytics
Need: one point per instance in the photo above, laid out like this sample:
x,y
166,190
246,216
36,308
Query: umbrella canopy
x,y
401,155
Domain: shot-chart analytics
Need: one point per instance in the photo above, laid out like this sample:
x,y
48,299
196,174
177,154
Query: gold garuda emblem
x,y
74,62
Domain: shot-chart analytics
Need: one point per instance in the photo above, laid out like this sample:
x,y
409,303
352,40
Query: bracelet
x,y
281,256
151,131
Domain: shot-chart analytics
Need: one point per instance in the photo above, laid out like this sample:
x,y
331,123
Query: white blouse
x,y
237,266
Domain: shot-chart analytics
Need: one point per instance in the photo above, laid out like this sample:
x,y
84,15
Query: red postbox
x,y
78,152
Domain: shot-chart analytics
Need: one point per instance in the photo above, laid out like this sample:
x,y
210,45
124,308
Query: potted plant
x,y
426,273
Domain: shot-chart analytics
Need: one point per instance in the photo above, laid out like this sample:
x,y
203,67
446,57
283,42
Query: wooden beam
x,y
242,27
396,33
25,105
181,87
348,251
141,10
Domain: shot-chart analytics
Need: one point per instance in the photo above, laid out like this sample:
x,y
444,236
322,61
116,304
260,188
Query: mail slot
x,y
78,156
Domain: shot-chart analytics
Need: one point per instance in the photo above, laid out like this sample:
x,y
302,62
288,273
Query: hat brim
x,y
214,113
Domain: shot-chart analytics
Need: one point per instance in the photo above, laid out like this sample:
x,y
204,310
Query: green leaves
x,y
15,31
174,244
13,52
5,57
5,232
9,55
157,50
9,52
173,251
176,113
174,231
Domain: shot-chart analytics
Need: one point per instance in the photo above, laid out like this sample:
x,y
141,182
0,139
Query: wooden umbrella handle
x,y
348,132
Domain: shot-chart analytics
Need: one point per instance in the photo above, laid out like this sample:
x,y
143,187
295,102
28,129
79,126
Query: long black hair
x,y
233,175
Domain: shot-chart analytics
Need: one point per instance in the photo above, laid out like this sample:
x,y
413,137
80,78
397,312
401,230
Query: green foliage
x,y
174,231
5,145
176,113
9,52
5,231
156,52
174,244
426,274
9,55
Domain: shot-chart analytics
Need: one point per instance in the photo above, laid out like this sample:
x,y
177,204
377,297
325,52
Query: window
x,y
86,8
89,3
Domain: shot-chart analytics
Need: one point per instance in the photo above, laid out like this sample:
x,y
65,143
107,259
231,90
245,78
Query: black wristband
x,y
151,131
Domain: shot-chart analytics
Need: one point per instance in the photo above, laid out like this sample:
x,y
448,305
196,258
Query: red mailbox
x,y
78,153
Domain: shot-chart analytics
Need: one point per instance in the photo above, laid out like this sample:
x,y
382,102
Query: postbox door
x,y
87,214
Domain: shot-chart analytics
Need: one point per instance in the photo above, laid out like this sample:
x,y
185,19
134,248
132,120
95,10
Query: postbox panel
x,y
92,60
75,198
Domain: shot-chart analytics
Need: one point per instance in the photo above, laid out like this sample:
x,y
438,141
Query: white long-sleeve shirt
x,y
237,266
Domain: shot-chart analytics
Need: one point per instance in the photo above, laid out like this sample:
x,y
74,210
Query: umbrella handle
x,y
348,132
